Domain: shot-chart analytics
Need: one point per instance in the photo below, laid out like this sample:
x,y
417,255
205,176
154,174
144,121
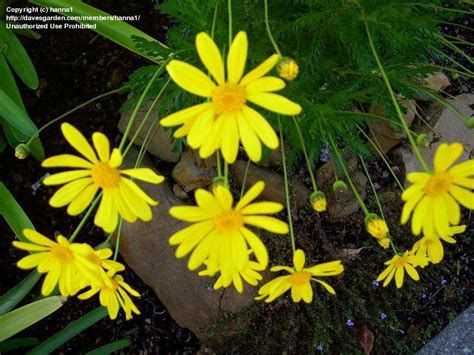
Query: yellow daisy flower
x,y
121,195
62,262
299,279
432,248
104,264
219,234
114,293
225,119
398,265
434,198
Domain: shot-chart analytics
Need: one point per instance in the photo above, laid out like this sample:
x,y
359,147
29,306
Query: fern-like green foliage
x,y
329,41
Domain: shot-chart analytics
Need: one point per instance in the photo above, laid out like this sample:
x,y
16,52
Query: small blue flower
x,y
444,282
375,283
383,316
319,348
424,295
349,323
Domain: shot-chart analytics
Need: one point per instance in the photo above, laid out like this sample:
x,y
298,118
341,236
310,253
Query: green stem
x,y
226,171
442,54
455,48
287,193
379,205
214,19
393,98
84,219
94,99
465,12
269,31
139,104
245,179
219,164
119,237
346,173
229,9
145,119
308,163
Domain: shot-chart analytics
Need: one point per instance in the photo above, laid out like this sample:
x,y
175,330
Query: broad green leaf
x,y
8,83
37,150
119,32
110,348
23,317
69,332
15,116
15,295
17,343
13,213
18,57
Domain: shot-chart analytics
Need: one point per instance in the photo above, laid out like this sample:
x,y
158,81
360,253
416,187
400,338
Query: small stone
x,y
179,192
436,81
193,172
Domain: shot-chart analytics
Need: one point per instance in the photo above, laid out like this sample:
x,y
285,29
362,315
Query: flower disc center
x,y
438,184
228,98
63,254
229,221
105,176
300,278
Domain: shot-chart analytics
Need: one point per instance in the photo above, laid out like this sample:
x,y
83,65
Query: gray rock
x,y
456,338
192,172
160,144
436,81
189,298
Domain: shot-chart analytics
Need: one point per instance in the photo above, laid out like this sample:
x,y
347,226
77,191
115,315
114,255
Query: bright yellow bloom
x,y
114,293
62,262
101,259
434,198
225,118
288,69
432,247
318,201
398,265
299,279
384,242
121,195
219,234
376,226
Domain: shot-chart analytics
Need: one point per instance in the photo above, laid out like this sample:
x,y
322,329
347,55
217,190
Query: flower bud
x,y
376,226
287,68
470,122
454,76
384,242
318,201
422,140
339,186
22,151
220,181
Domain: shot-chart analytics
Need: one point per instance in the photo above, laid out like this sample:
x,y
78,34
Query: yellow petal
x,y
81,201
224,197
260,125
420,215
464,182
202,228
275,103
299,259
136,203
51,280
138,191
441,216
32,261
210,145
257,246
189,213
399,275
66,161
107,215
66,176
269,223
411,203
418,177
446,155
185,115
230,138
326,286
250,195
265,84
201,129
260,70
331,268
101,145
207,202
412,272
249,138
190,78
463,169
78,142
262,208
29,246
122,207
144,174
463,196
68,192
239,251
296,294
210,56
237,57
38,238
189,244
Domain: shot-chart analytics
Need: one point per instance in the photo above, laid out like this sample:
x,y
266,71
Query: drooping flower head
x,y
288,68
226,118
434,198
318,201
400,264
99,171
114,293
219,235
376,226
63,262
299,279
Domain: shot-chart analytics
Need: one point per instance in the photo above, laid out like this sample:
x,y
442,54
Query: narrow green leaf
x,y
111,347
23,317
13,213
8,83
17,343
119,32
15,116
37,149
69,332
3,143
18,57
27,33
15,295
